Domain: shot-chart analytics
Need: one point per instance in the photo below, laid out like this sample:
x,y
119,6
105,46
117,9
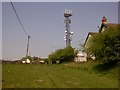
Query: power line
x,y
19,19
28,36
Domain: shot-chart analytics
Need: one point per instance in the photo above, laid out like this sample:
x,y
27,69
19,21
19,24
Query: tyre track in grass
x,y
55,70
53,83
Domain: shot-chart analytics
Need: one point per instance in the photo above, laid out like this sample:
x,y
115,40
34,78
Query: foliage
x,y
105,46
34,58
62,55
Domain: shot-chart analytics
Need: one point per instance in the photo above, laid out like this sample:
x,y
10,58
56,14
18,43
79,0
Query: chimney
x,y
104,20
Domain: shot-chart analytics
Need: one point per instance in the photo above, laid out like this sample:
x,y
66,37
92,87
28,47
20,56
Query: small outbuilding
x,y
81,57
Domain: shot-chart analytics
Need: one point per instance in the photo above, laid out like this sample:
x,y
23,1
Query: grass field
x,y
0,75
67,75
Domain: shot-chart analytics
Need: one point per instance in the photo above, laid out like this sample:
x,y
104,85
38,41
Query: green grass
x,y
0,75
67,75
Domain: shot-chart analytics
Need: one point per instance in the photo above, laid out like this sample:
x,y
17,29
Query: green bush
x,y
105,46
62,55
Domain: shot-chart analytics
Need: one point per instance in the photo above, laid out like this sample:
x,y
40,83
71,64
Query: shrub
x,y
62,55
105,46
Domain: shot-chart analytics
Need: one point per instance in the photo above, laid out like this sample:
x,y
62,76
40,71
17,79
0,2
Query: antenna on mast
x,y
68,38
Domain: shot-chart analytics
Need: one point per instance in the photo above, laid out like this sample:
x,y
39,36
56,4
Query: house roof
x,y
108,25
113,25
90,33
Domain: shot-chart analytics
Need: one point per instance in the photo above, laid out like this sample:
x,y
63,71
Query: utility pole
x,y
67,14
27,47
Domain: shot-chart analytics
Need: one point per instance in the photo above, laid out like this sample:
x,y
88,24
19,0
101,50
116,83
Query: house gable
x,y
88,37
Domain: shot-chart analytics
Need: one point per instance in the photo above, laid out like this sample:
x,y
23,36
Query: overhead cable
x,y
19,19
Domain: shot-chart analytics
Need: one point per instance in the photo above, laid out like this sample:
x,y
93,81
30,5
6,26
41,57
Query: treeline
x,y
33,60
11,62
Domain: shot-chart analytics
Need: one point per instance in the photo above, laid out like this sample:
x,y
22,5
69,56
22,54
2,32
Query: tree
x,y
62,55
105,46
